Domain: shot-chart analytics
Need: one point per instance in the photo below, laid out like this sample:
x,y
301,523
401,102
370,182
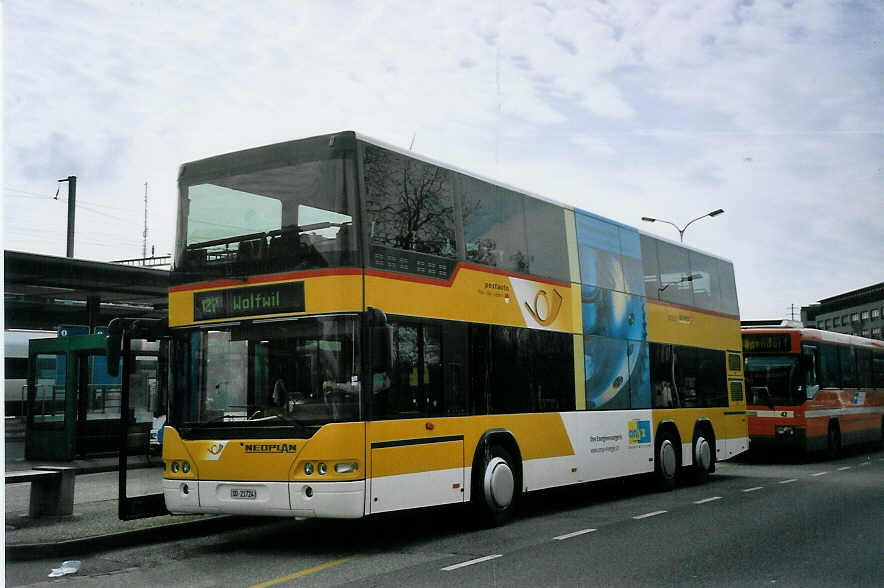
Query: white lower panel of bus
x,y
323,499
606,444
334,500
728,448
416,490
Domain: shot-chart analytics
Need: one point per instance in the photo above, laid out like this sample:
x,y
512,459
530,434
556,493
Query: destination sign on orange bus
x,y
767,342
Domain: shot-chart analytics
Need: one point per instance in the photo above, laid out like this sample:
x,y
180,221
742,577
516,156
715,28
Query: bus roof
x,y
808,334
211,161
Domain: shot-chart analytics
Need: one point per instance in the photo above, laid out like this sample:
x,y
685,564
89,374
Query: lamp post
x,y
681,230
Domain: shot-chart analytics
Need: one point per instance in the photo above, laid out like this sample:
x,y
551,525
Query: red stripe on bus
x,y
341,271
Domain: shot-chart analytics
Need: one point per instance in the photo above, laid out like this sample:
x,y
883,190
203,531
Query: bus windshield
x,y
297,216
773,380
250,377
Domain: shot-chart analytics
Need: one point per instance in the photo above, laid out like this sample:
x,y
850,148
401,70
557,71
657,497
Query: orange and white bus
x,y
356,330
811,390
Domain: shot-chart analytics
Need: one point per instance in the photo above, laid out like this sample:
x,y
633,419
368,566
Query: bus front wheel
x,y
496,487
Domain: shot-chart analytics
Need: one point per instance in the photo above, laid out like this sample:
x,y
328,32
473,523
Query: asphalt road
x,y
782,524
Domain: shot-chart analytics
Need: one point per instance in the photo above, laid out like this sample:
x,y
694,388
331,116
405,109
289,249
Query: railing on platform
x,y
161,261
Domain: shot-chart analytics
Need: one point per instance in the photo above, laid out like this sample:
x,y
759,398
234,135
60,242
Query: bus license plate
x,y
243,493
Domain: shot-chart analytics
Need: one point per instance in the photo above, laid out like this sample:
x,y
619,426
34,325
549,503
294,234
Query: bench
x,y
52,489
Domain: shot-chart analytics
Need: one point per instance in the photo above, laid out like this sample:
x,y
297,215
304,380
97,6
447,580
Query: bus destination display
x,y
273,299
767,343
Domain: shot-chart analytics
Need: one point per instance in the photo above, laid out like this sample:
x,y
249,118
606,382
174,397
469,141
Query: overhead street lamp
x,y
681,230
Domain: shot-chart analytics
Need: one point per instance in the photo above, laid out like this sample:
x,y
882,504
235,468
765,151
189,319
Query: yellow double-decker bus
x,y
358,330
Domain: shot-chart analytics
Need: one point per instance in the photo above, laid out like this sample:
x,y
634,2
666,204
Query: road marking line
x,y
471,562
649,514
705,500
753,489
789,481
574,534
842,468
318,568
818,474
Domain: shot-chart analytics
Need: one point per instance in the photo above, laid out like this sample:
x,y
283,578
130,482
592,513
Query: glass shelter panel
x,y
48,400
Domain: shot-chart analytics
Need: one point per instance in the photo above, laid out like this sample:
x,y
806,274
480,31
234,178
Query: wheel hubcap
x,y
499,483
667,459
703,453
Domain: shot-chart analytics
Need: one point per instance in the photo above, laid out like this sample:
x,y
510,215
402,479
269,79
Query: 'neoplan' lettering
x,y
271,448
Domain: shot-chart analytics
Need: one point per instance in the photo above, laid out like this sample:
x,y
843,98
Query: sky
x,y
770,110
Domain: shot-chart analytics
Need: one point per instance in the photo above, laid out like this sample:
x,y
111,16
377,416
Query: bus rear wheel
x,y
666,462
833,441
496,487
704,461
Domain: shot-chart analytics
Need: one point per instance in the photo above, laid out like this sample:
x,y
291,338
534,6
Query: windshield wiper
x,y
275,417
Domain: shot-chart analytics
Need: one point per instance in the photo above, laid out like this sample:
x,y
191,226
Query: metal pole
x,y
72,209
93,307
123,462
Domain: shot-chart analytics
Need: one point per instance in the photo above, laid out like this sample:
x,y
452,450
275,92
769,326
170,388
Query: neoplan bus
x,y
358,330
811,390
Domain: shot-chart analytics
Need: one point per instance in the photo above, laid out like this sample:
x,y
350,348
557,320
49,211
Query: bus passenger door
x,y
416,455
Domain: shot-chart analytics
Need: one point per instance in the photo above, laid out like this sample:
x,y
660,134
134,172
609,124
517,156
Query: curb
x,y
174,531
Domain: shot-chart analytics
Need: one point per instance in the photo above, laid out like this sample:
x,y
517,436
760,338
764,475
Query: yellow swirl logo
x,y
546,307
216,448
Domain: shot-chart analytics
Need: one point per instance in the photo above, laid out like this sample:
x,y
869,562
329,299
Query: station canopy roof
x,y
45,291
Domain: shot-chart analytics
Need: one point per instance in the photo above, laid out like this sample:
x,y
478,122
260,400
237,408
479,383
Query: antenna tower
x,y
144,243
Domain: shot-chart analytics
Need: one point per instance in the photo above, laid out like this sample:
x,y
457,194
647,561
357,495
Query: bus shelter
x,y
74,404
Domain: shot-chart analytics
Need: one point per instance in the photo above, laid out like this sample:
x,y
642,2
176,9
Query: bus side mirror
x,y
382,348
112,347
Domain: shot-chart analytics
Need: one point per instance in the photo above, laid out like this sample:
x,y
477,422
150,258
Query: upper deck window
x,y
274,218
411,214
681,276
423,219
494,227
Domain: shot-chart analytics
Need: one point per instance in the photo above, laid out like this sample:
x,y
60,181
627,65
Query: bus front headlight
x,y
347,467
308,468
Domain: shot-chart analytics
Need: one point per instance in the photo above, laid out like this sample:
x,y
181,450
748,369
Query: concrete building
x,y
860,312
